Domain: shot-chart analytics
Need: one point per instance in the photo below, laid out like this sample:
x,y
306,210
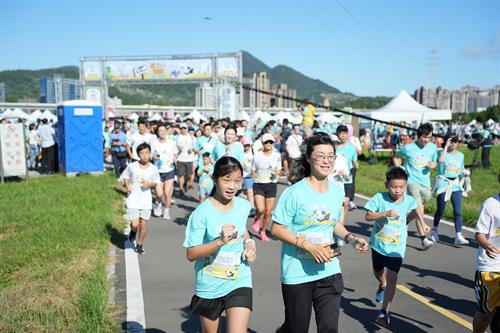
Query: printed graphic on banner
x,y
227,98
13,150
227,67
137,70
93,93
92,71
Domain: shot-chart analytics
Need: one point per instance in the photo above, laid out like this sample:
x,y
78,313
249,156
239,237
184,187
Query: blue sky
x,y
365,47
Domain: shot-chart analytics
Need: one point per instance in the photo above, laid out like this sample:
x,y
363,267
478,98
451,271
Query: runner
x,y
306,219
266,169
247,173
217,240
230,146
420,157
451,167
140,177
389,211
205,172
293,147
487,281
165,157
136,139
184,166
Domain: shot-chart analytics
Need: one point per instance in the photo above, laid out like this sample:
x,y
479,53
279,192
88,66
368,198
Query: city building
x,y
2,92
464,100
262,83
205,95
283,90
56,89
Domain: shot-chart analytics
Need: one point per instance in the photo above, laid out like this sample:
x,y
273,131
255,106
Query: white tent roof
x,y
263,116
155,117
330,117
17,113
245,116
404,108
133,117
196,116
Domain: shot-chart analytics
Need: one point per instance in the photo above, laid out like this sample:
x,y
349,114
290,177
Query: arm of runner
x,y
491,250
250,252
204,250
374,216
422,227
358,243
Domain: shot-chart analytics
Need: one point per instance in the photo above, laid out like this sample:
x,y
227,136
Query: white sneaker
x,y
352,205
172,200
158,210
426,244
460,240
166,214
434,235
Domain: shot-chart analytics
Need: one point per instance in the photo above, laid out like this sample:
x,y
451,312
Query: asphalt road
x,y
442,276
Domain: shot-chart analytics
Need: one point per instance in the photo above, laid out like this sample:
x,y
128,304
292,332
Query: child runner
x,y
451,167
349,151
140,177
266,169
390,210
205,172
306,220
217,240
487,281
164,155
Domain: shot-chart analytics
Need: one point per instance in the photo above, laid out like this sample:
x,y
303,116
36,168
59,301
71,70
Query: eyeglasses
x,y
268,142
329,158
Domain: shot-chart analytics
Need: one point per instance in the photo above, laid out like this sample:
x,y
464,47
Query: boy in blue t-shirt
x,y
390,211
205,171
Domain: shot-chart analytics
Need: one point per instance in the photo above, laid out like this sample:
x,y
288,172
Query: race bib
x,y
315,238
226,265
421,161
207,146
390,234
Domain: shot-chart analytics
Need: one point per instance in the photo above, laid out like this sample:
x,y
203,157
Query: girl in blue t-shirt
x,y
307,220
217,241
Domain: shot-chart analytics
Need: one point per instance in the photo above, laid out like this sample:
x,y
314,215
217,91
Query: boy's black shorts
x,y
379,261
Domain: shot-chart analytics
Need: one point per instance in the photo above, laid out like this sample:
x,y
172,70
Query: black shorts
x,y
213,308
379,261
267,190
164,176
349,191
184,169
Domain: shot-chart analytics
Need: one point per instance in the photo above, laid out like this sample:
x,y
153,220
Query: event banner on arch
x,y
168,69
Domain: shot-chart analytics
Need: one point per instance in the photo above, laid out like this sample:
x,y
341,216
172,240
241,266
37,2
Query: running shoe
x,y
166,214
252,213
131,236
256,224
263,236
140,249
379,295
434,235
352,205
460,240
426,243
158,210
383,318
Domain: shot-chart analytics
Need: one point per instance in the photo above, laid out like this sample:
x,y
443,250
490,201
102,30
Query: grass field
x,y
54,240
370,180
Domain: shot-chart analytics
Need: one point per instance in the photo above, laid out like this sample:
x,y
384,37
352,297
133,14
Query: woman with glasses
x,y
230,147
266,169
448,186
307,220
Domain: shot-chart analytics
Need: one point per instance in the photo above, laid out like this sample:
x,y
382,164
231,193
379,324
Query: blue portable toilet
x,y
79,134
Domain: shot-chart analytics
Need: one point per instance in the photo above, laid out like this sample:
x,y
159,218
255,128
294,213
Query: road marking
x,y
435,307
136,320
428,217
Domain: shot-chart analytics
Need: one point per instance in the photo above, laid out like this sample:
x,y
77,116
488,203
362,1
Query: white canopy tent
x,y
49,116
404,108
155,117
330,117
16,113
196,116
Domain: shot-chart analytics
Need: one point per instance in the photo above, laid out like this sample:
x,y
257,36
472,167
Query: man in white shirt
x,y
47,136
293,146
137,138
185,157
487,280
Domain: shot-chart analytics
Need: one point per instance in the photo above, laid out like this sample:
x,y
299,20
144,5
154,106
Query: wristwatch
x,y
348,238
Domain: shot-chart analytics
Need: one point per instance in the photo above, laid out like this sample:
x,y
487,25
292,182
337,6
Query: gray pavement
x,y
443,275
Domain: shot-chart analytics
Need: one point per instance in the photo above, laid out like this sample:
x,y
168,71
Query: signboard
x,y
92,71
93,93
227,67
138,70
13,150
227,101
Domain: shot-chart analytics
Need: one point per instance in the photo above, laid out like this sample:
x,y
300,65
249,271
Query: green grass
x,y
370,179
54,240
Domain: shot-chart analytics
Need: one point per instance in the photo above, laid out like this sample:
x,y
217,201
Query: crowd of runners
x,y
233,168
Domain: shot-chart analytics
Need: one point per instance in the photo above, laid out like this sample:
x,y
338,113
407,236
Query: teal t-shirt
x,y
416,162
389,234
204,144
205,180
235,151
350,153
307,212
219,274
452,168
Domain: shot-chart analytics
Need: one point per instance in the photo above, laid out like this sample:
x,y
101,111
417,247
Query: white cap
x,y
240,131
267,137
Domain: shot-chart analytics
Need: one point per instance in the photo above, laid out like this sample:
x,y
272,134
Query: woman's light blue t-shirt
x,y
219,274
416,162
235,151
350,153
305,211
452,167
390,233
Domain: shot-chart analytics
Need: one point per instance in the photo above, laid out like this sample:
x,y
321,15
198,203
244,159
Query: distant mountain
x,y
25,84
